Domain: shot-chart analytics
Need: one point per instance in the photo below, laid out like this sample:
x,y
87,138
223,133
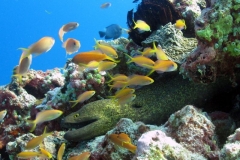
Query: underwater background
x,y
25,22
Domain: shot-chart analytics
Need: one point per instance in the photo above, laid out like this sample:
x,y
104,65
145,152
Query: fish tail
x,y
129,58
32,124
135,25
27,53
76,102
150,72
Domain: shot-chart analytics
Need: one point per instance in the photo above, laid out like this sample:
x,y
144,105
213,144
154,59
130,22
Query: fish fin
x,y
75,103
111,77
102,33
33,125
130,61
19,78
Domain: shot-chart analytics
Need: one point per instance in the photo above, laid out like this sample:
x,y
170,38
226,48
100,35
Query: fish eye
x,y
76,115
74,43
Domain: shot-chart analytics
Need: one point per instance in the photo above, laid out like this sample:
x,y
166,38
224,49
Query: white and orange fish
x,y
71,45
41,46
67,28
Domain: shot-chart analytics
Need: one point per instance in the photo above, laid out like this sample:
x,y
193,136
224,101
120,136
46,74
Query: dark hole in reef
x,y
81,124
136,105
3,154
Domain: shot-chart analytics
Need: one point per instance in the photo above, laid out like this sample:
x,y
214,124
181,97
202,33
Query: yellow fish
x,y
140,60
83,97
180,24
139,80
44,116
86,57
28,154
3,114
159,52
66,28
123,92
45,153
117,77
106,65
118,84
23,67
123,140
162,66
148,52
141,25
41,46
106,49
82,156
71,45
126,98
91,65
61,151
37,140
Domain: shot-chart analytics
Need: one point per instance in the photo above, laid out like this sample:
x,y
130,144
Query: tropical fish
x,y
41,46
61,151
94,55
159,52
28,154
118,84
3,113
45,153
23,67
140,60
106,49
180,24
71,45
141,26
126,98
162,66
117,77
139,80
113,31
83,97
106,5
82,156
123,140
148,52
106,65
91,65
66,28
123,92
44,116
37,140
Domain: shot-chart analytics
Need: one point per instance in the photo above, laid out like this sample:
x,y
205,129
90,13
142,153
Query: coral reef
x,y
175,45
156,145
193,130
217,31
96,118
231,150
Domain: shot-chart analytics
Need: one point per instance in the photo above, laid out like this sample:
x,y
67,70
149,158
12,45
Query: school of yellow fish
x,y
103,58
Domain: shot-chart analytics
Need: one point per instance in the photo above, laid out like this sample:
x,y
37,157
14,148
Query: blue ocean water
x,y
24,22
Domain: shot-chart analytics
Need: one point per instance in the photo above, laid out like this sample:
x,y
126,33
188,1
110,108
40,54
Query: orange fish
x,y
66,28
123,92
61,151
71,45
159,52
94,55
162,66
118,84
83,97
106,49
148,52
82,156
41,46
123,140
140,60
180,24
106,5
37,140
